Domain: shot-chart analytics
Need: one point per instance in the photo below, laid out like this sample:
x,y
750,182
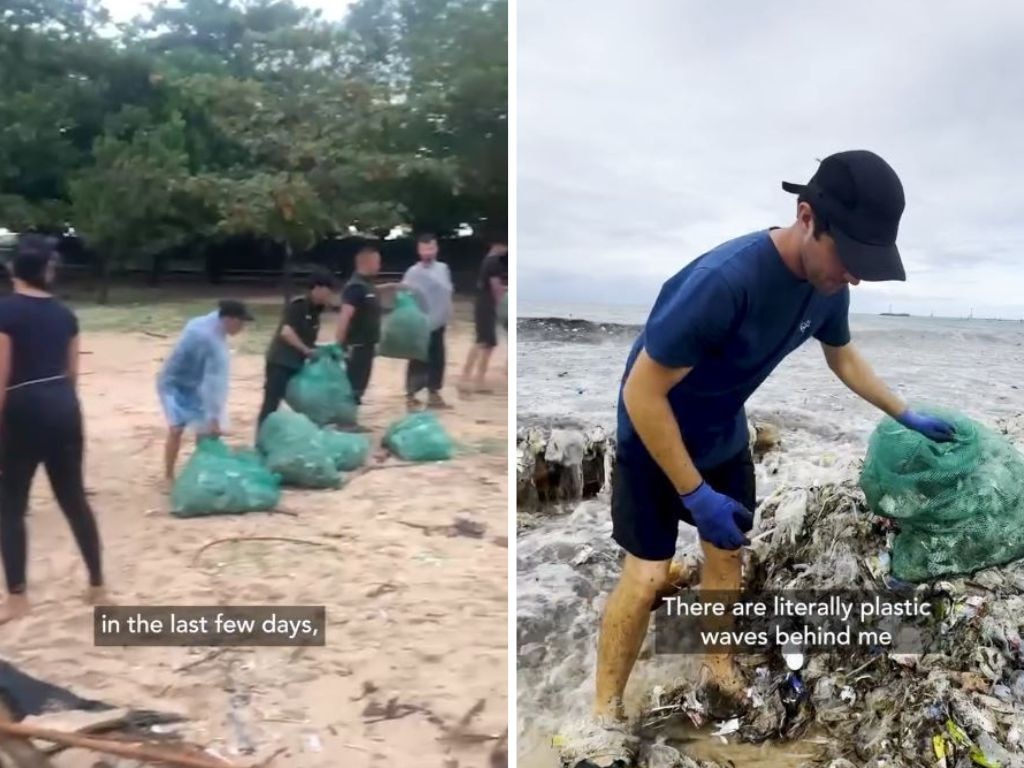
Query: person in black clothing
x,y
40,417
359,319
295,340
491,285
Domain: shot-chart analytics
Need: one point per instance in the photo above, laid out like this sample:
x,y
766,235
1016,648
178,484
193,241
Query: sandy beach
x,y
415,666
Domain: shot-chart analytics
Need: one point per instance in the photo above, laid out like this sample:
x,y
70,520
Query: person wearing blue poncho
x,y
193,383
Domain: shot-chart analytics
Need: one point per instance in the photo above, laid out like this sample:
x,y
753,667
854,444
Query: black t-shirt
x,y
41,330
493,265
364,328
304,318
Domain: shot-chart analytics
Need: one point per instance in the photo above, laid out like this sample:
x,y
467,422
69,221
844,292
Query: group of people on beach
x,y
40,413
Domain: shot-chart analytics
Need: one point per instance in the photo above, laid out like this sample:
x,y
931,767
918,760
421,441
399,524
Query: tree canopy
x,y
258,117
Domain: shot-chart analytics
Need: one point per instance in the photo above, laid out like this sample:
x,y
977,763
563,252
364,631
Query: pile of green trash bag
x,y
322,390
219,481
296,449
419,437
405,332
348,450
959,505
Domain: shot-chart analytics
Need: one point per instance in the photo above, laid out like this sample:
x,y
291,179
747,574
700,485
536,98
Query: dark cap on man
x,y
235,309
861,198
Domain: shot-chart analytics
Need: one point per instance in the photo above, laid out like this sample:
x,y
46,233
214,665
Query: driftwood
x,y
146,753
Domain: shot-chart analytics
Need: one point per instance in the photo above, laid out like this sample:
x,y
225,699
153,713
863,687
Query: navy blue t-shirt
x,y
41,330
731,315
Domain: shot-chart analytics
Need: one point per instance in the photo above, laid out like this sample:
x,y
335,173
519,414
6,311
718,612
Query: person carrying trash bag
x,y
432,281
322,390
718,328
193,381
295,340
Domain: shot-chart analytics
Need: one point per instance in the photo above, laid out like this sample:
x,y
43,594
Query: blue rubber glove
x,y
931,427
720,520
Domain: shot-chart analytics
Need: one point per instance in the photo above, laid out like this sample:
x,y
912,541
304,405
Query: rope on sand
x,y
195,558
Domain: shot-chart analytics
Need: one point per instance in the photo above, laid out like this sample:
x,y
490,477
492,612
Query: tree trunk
x,y
156,269
103,296
286,272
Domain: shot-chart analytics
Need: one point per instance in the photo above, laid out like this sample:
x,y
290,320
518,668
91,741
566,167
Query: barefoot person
x,y
432,281
295,340
40,417
359,319
193,382
717,330
490,289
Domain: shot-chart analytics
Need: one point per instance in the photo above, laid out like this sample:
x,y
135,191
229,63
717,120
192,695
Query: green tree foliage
x,y
258,117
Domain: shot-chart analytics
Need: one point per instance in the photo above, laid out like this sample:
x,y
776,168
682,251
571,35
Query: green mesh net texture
x,y
321,390
405,333
348,450
295,448
219,481
959,505
419,437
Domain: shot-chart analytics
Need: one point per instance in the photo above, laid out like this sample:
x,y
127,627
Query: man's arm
x,y
292,338
73,359
856,373
497,289
348,311
645,395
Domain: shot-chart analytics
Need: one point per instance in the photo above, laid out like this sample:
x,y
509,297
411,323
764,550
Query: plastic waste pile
x,y
959,703
299,451
349,450
219,481
405,332
321,390
959,505
419,437
560,463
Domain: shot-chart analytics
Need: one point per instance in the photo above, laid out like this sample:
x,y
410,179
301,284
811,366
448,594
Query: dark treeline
x,y
252,135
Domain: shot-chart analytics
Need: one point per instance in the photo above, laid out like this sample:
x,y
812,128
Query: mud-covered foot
x,y
14,607
412,404
597,742
722,687
464,389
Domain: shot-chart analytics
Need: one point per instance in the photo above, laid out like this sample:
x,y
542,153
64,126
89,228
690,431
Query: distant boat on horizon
x,y
890,313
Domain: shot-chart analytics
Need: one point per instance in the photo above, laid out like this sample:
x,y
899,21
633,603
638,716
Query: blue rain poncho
x,y
193,383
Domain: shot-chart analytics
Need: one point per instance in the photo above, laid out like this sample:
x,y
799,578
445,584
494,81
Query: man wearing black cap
x,y
295,340
719,327
193,382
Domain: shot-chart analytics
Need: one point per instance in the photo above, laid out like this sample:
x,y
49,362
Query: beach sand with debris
x,y
414,670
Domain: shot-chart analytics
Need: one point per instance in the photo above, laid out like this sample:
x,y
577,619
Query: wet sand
x,y
416,623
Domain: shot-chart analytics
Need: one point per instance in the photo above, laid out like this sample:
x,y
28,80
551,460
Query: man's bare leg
x,y
171,450
463,386
721,572
623,628
483,360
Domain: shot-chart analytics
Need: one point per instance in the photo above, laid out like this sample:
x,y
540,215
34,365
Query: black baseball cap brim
x,y
870,262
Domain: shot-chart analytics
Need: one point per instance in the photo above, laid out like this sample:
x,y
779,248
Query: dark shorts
x,y
646,509
485,317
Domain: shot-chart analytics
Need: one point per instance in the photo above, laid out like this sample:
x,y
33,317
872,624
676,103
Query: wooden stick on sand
x,y
145,752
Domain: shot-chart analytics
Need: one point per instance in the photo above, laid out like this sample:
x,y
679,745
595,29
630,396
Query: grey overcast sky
x,y
650,131
126,10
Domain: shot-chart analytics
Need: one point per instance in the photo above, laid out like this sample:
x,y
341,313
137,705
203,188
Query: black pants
x,y
429,374
44,427
275,384
360,365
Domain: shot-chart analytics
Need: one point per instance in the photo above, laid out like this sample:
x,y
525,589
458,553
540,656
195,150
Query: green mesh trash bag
x,y
322,390
295,448
349,450
503,311
405,333
219,481
959,505
419,437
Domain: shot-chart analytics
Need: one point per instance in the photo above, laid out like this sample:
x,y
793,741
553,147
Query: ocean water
x,y
570,361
